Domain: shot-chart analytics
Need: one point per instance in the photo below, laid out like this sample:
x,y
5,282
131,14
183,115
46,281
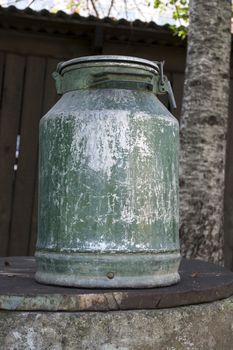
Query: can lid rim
x,y
107,58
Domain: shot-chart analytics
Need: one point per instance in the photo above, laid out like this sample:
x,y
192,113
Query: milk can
x,y
108,177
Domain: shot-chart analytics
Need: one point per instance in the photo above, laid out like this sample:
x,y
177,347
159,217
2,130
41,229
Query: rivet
x,y
110,275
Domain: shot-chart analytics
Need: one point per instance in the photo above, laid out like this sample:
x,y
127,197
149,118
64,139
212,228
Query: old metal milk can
x,y
108,177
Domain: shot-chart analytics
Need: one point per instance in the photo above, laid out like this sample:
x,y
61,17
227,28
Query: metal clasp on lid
x,y
164,85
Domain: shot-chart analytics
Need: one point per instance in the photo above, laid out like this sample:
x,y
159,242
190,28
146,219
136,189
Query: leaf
x,y
54,9
157,3
180,31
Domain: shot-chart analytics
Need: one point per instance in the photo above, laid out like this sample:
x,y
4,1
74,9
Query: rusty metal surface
x,y
200,282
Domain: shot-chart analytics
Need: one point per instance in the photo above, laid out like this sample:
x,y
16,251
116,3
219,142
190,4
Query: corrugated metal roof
x,y
76,17
63,23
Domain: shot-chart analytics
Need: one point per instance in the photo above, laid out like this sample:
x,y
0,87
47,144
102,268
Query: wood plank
x,y
34,217
25,176
9,128
41,44
50,98
177,81
201,282
2,70
228,196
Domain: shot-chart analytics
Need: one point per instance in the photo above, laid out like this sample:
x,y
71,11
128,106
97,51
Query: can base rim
x,y
110,271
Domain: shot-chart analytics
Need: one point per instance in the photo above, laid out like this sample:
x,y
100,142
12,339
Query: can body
x,y
108,190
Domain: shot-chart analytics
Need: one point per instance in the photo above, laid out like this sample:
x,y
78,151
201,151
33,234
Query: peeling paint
x,y
108,174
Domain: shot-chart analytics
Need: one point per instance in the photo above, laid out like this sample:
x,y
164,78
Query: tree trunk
x,y
203,129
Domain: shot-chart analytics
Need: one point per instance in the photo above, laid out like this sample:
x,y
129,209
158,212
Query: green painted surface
x,y
108,181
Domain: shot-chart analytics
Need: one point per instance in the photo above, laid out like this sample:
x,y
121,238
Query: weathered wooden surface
x,y
27,164
200,282
11,102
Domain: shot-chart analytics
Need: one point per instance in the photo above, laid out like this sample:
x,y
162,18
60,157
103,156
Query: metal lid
x,y
107,58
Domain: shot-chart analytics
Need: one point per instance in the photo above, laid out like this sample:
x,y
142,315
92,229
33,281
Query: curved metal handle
x,y
165,86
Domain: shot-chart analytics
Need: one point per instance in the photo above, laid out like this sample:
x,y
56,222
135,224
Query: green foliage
x,y
181,31
180,13
73,6
157,4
